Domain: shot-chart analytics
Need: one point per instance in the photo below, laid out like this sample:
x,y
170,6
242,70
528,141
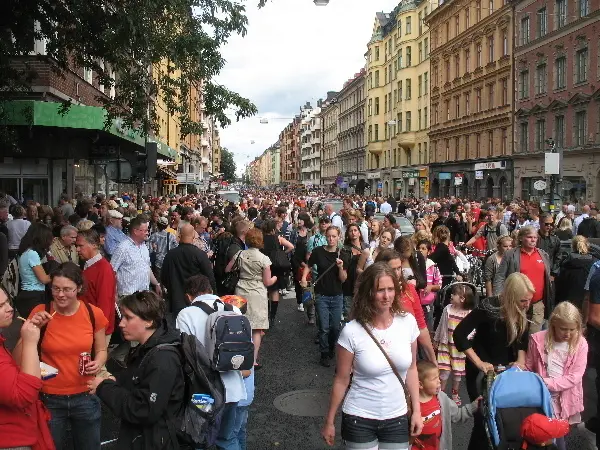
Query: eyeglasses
x,y
549,224
57,290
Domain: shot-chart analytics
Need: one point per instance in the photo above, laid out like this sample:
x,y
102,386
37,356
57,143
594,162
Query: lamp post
x,y
390,124
552,168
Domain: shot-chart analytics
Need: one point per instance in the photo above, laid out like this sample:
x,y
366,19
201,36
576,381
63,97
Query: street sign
x,y
380,185
539,185
479,174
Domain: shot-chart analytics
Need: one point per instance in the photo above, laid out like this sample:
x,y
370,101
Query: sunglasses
x,y
549,224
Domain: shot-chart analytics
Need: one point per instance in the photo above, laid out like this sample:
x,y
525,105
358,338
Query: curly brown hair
x,y
254,238
363,306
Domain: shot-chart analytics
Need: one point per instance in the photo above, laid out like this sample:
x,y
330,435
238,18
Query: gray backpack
x,y
228,337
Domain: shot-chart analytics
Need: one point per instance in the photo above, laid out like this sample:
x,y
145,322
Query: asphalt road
x,y
290,363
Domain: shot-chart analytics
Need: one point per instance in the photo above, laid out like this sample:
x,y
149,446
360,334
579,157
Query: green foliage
x,y
148,50
228,166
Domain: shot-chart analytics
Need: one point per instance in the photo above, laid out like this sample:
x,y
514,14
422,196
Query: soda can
x,y
84,359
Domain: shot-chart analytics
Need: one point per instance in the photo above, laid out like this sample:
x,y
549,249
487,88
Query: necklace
x,y
383,339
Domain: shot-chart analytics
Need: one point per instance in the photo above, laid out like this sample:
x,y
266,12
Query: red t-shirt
x,y
431,412
533,266
412,304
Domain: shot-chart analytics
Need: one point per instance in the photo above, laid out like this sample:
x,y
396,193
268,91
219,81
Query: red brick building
x,y
557,95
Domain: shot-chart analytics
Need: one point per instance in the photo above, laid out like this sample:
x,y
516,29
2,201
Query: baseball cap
x,y
114,214
538,429
163,221
325,219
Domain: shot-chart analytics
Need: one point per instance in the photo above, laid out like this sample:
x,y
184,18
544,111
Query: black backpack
x,y
220,259
195,428
486,230
588,228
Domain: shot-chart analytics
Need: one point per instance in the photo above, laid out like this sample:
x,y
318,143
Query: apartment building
x,y
351,151
471,98
398,89
290,153
557,97
329,146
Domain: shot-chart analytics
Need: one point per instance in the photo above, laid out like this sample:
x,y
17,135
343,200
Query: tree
x,y
227,166
146,49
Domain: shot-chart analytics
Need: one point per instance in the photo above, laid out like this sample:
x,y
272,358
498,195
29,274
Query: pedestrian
x,y
550,243
386,239
442,257
299,239
114,232
437,410
376,368
559,356
565,229
449,359
17,227
329,292
574,271
434,283
501,339
150,392
63,247
493,261
491,232
353,249
160,242
591,320
71,328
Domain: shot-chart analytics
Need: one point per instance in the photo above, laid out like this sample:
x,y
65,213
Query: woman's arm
x,y
362,261
412,385
267,279
18,389
424,341
100,353
289,247
229,266
41,274
341,382
474,358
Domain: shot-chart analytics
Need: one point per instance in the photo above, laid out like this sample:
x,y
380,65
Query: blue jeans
x,y
82,412
227,438
241,420
329,310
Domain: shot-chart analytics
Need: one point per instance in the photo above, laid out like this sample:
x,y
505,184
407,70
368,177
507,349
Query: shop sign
x,y
426,188
380,185
410,174
445,176
539,185
170,182
411,181
479,174
491,165
458,181
373,175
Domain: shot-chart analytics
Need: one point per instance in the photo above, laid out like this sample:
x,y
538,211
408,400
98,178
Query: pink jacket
x,y
570,385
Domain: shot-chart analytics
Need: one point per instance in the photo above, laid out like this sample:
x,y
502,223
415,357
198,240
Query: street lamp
x,y
552,168
391,123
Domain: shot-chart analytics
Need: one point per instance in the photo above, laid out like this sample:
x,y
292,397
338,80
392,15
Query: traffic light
x,y
146,161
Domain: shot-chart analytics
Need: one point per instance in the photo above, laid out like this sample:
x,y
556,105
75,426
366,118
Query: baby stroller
x,y
508,398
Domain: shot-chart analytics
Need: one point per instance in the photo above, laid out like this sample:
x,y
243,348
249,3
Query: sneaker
x,y
456,398
324,361
301,307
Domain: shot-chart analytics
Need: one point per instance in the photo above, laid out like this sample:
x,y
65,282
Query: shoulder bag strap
x,y
326,270
93,322
392,365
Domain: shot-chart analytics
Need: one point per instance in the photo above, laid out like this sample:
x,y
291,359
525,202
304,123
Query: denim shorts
x,y
389,434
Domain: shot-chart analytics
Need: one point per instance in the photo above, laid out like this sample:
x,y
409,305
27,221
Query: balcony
x,y
406,139
204,142
205,160
188,178
375,147
315,140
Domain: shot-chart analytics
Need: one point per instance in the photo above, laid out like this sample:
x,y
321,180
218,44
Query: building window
x,y
467,146
457,66
490,143
447,149
561,72
491,93
400,66
399,122
425,83
457,106
467,18
559,131
377,78
540,79
408,89
456,25
385,104
504,141
467,61
456,149
542,23
581,62
479,60
447,31
448,77
491,48
478,10
467,103
447,102
370,107
370,133
524,137
540,135
504,42
419,85
420,47
408,27
408,56
376,106
583,7
408,127
525,31
478,144
478,99
420,19
560,12
580,128
87,75
376,132
425,117
426,47
376,53
399,90
524,84
436,117
419,120
425,160
504,92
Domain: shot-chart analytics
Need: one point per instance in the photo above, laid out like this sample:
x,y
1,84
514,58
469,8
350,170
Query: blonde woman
x,y
376,229
421,225
501,338
574,271
559,356
368,255
565,229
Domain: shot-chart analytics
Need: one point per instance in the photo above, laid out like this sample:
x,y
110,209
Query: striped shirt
x,y
131,263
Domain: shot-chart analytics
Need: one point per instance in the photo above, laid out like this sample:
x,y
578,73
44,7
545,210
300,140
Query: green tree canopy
x,y
227,166
154,49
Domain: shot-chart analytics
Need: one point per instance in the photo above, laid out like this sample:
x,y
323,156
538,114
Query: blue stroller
x,y
508,398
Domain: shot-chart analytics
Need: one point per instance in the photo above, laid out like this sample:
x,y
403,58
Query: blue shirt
x,y
29,282
113,238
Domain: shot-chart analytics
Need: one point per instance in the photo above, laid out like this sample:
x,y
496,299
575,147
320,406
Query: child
x,y
437,410
449,359
559,356
538,431
434,283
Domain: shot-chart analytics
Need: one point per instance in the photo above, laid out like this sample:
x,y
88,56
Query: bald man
x,y
181,263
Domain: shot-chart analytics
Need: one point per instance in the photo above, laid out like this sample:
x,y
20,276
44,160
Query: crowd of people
x,y
393,311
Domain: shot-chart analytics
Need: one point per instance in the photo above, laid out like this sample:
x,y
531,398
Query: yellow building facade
x,y
397,103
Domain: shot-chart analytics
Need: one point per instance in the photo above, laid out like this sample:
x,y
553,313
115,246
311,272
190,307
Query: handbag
x,y
280,261
232,278
407,396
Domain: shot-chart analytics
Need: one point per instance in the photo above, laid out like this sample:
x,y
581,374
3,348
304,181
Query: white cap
x,y
114,214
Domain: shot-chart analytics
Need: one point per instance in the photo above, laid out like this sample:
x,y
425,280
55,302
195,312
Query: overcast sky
x,y
294,53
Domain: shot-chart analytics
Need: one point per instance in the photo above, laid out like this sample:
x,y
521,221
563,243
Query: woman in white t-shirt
x,y
374,409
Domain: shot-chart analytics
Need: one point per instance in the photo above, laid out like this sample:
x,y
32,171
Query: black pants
x,y
593,337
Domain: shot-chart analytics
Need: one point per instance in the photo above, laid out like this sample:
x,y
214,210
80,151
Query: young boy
x,y
439,412
539,431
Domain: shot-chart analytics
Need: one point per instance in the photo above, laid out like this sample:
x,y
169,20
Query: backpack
x,y
588,228
228,338
220,259
10,279
195,428
486,230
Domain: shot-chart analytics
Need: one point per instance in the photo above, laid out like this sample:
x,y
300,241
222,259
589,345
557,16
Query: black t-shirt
x,y
330,284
